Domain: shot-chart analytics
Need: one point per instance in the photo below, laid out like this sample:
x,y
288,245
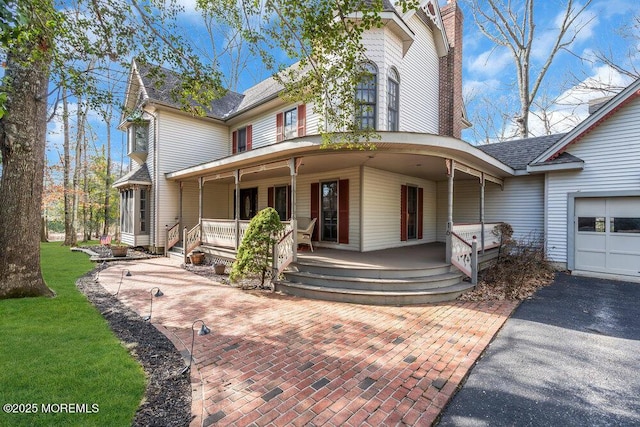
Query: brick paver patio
x,y
273,360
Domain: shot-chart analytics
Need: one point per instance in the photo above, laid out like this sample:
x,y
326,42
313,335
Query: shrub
x,y
256,249
520,266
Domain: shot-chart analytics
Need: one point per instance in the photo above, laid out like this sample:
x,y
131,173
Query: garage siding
x,y
611,153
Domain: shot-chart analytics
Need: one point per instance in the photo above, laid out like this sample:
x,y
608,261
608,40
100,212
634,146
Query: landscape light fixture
x,y
120,284
204,330
157,294
101,267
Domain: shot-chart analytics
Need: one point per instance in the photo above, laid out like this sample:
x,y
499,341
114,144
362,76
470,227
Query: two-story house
x,y
198,180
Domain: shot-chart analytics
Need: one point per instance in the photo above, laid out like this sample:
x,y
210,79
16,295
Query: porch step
x,y
371,297
375,284
373,273
176,253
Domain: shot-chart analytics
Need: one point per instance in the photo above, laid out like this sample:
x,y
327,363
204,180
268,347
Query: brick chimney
x,y
451,106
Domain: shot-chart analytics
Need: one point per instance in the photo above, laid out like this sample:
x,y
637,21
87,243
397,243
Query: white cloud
x,y
490,63
476,88
572,106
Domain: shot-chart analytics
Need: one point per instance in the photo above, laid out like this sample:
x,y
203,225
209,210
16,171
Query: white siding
x,y
381,209
264,126
521,204
419,74
183,141
611,153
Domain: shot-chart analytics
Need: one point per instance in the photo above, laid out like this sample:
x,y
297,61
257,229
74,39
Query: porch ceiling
x,y
418,155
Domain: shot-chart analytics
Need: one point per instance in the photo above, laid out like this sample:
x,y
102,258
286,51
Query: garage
x,y
607,235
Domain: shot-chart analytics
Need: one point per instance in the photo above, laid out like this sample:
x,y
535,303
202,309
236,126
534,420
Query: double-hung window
x,y
393,100
366,98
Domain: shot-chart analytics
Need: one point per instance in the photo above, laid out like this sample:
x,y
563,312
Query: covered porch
x,y
398,197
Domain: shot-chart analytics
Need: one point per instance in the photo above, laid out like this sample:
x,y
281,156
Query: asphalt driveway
x,y
570,356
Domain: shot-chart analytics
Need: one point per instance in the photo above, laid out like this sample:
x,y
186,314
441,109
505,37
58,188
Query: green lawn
x,y
61,351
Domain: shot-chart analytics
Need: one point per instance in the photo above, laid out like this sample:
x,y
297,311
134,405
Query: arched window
x,y
366,97
393,100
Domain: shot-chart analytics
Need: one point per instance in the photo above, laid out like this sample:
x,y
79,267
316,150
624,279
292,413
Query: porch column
x,y
236,175
482,213
200,208
293,169
450,173
180,206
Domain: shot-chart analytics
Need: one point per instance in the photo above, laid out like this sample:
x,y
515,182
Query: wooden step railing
x,y
464,256
191,240
173,237
283,251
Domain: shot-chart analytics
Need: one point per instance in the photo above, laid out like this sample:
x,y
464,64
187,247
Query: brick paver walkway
x,y
275,360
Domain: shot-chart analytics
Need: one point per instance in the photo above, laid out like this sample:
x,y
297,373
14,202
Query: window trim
x,y
367,84
393,80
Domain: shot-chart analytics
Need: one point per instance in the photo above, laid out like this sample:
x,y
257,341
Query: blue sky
x,y
487,71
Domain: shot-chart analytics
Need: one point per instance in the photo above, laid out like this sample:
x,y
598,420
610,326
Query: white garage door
x,y
607,235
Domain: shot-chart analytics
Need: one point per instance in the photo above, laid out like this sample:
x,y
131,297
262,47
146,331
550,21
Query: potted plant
x,y
119,249
196,257
219,268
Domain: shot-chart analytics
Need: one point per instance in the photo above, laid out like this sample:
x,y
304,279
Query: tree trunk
x,y
70,235
107,180
22,141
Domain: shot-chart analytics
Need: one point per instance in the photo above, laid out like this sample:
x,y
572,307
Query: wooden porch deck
x,y
428,255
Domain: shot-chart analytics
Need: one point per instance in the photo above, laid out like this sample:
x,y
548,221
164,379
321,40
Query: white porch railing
x,y
469,239
222,232
466,232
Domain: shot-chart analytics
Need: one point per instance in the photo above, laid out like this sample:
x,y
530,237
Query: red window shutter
x,y
403,213
270,198
279,127
234,142
343,211
288,202
420,201
302,120
315,208
249,137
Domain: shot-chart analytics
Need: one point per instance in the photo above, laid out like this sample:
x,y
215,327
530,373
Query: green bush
x,y
255,252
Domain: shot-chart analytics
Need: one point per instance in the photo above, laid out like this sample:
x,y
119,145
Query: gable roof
x,y
159,83
519,153
596,119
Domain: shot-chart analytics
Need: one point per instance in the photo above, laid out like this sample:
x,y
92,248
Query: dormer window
x,y
138,137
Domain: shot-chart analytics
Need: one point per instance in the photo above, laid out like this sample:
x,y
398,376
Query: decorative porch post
x,y
450,173
200,207
236,175
482,212
180,207
293,169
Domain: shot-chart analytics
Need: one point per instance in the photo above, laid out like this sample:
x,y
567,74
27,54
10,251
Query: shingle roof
x,y
138,175
160,83
520,152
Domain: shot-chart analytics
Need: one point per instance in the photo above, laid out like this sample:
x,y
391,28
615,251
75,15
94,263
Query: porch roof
x,y
416,154
138,176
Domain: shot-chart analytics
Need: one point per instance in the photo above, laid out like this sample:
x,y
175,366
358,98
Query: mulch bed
x,y
167,400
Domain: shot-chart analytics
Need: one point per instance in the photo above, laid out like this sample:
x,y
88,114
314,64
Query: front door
x,y
248,203
329,214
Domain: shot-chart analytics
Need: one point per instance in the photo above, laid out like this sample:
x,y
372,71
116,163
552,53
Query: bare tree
x,y
511,24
